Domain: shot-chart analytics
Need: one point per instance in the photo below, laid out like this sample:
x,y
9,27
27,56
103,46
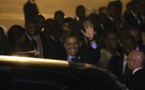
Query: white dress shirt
x,y
124,63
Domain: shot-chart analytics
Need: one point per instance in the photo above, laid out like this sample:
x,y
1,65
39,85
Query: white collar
x,y
124,63
30,38
133,14
136,70
125,56
111,18
137,48
52,38
77,18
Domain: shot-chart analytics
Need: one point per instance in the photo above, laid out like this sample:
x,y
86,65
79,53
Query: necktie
x,y
139,22
72,59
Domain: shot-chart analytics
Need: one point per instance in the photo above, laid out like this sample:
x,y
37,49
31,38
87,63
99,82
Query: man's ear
x,y
64,45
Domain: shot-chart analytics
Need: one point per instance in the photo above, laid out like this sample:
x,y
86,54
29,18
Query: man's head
x,y
31,1
80,11
30,28
59,16
135,60
72,44
112,10
39,20
129,44
103,10
136,7
134,31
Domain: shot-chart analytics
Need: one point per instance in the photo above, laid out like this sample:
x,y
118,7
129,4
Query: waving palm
x,y
89,31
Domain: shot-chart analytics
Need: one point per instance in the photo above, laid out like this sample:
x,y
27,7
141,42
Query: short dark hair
x,y
59,12
80,6
72,35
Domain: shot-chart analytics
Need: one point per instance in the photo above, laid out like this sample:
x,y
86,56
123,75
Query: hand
x,y
89,31
36,53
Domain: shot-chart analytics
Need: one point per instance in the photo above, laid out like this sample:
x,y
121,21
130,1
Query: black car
x,y
22,73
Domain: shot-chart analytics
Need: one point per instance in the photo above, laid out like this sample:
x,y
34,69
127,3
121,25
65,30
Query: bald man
x,y
136,60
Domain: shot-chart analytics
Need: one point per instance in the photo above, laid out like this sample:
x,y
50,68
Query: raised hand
x,y
89,31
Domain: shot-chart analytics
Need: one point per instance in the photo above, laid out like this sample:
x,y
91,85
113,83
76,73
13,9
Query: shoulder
x,y
105,53
103,50
140,72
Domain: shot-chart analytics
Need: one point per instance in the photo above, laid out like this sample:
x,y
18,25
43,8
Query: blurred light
x,y
31,60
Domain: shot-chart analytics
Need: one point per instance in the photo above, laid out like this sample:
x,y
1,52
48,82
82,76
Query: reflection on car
x,y
23,73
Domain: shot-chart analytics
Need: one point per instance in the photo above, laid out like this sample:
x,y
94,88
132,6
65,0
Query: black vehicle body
x,y
21,73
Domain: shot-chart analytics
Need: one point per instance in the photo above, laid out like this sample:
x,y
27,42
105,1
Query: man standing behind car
x,y
26,44
72,45
30,10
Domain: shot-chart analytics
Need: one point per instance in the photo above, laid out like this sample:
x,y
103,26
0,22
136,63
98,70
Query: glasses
x,y
128,59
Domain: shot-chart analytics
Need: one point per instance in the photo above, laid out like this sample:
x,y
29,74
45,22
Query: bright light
x,y
31,60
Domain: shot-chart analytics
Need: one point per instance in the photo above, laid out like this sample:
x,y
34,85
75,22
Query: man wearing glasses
x,y
136,61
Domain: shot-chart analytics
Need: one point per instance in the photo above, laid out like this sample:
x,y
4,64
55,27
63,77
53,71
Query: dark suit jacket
x,y
108,24
30,11
52,49
116,67
115,24
91,57
131,20
137,80
24,44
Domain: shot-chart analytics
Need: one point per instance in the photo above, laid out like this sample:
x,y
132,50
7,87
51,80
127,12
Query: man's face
x,y
137,9
80,12
112,11
72,45
30,27
128,46
131,59
134,33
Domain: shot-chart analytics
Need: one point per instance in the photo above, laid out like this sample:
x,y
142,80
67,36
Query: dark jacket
x,y
91,57
116,67
137,80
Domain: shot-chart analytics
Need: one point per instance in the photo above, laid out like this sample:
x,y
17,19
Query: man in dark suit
x,y
136,60
118,65
26,44
53,47
30,10
133,18
115,21
72,45
80,13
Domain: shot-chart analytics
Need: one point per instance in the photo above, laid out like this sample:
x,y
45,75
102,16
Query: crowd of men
x,y
110,39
